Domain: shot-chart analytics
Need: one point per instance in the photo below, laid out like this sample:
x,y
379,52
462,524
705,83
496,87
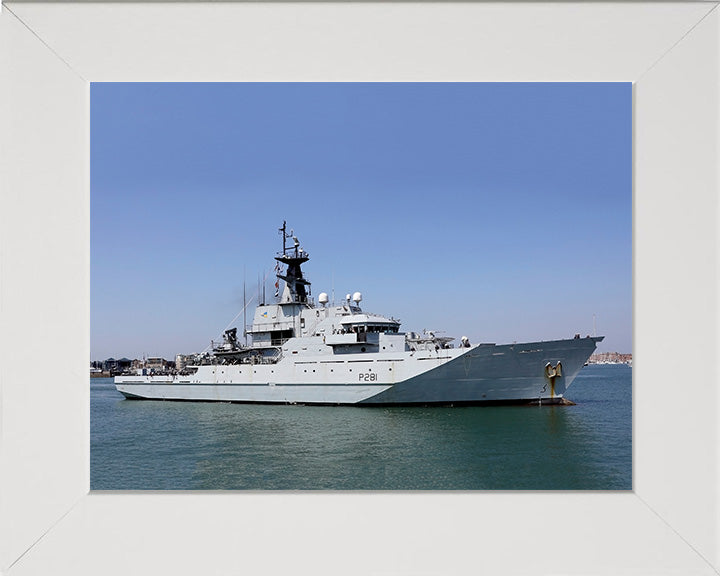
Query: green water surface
x,y
155,445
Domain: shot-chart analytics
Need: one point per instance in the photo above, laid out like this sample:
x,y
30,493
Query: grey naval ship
x,y
307,353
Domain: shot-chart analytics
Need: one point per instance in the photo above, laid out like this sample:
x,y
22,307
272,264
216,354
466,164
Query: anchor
x,y
552,373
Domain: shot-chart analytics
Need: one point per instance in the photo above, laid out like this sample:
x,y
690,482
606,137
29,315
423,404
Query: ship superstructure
x,y
305,353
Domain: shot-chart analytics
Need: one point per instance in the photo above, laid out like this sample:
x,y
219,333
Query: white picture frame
x,y
50,523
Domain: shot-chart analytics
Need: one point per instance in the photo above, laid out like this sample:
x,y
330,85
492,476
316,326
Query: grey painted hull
x,y
510,373
486,373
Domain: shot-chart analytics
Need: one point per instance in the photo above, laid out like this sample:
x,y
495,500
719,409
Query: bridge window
x,y
361,328
278,337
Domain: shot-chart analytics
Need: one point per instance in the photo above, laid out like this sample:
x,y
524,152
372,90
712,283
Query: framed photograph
x,y
427,249
51,52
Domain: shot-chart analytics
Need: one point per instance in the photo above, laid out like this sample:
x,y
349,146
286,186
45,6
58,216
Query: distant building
x,y
109,365
181,361
610,358
156,364
113,366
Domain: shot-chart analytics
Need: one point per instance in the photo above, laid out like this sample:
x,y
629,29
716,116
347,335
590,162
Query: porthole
x,y
362,349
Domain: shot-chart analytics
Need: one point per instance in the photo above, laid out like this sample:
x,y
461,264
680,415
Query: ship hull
x,y
484,374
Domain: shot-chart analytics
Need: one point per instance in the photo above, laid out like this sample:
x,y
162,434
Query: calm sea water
x,y
155,445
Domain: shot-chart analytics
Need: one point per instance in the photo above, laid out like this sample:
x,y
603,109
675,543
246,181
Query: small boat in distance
x,y
307,353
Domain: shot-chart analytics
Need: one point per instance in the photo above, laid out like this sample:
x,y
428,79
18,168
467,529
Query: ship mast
x,y
297,288
244,309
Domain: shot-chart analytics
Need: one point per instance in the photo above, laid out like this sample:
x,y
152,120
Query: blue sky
x,y
498,211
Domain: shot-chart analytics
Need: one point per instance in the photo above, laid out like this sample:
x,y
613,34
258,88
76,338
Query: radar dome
x,y
357,297
323,298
